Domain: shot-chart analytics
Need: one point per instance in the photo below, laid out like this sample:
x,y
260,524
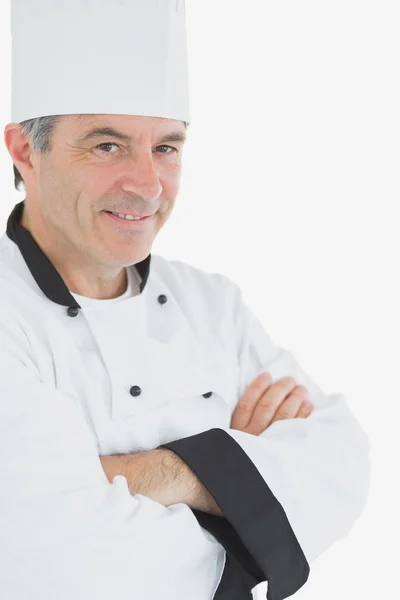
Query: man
x,y
154,442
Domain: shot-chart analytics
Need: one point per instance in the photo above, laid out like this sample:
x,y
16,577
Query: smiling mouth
x,y
126,221
127,216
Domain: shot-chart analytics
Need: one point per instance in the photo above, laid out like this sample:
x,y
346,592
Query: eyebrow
x,y
176,136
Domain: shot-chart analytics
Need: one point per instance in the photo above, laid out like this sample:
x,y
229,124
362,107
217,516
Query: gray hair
x,y
39,130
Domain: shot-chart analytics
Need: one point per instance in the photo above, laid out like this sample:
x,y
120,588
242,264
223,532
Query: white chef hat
x,y
124,57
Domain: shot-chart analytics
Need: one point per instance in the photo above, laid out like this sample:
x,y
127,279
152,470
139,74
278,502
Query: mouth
x,y
126,222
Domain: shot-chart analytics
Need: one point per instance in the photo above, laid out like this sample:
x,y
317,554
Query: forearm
x,y
161,475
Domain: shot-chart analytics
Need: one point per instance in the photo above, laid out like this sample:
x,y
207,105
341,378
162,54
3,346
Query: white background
x,y
290,187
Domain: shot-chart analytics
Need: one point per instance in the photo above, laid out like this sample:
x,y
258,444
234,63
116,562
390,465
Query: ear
x,y
20,150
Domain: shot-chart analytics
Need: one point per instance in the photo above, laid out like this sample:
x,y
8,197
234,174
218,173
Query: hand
x,y
265,402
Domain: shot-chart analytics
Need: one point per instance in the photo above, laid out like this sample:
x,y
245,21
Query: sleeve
x,y
295,489
66,532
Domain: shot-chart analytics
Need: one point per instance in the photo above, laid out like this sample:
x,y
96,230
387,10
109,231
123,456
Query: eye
x,y
163,146
106,145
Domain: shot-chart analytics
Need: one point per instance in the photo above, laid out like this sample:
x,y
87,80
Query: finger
x,y
289,408
269,402
245,407
305,410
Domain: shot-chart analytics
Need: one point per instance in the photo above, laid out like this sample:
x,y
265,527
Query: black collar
x,y
45,274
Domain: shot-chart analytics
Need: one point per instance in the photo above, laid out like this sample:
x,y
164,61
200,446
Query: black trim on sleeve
x,y
265,545
241,573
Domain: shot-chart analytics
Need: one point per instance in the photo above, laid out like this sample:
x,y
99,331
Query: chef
x,y
154,442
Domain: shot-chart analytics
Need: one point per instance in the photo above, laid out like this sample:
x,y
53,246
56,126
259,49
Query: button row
x,y
73,311
136,390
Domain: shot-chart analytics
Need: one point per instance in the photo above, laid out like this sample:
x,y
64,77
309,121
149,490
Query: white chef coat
x,y
164,365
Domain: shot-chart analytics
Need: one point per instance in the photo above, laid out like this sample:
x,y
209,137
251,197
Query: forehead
x,y
128,124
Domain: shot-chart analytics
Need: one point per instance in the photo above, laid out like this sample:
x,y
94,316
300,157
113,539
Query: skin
x,y
264,403
68,187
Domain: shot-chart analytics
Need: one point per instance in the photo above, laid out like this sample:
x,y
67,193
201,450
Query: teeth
x,y
128,217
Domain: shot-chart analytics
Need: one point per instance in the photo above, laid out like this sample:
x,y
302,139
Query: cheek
x,y
94,185
170,186
166,208
167,203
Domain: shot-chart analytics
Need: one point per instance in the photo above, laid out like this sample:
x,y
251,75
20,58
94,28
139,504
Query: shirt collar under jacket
x,y
45,274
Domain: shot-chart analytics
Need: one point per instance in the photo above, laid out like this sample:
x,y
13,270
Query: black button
x,y
207,394
162,299
73,311
135,390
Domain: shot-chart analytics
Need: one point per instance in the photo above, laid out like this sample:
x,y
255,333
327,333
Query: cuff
x,y
256,532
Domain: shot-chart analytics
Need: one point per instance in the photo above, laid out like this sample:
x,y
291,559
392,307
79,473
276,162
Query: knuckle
x,y
283,414
264,376
306,409
265,402
302,414
242,408
262,380
287,381
301,390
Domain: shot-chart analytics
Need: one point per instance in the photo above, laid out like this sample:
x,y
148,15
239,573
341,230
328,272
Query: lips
x,y
129,224
121,212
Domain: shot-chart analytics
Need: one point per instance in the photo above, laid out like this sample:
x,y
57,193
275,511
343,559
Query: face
x,y
99,163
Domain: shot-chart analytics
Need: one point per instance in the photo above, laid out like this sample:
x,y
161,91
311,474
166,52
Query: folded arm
x,y
163,476
298,487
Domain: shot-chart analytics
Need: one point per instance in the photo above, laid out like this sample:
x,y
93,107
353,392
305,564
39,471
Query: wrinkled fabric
x,y
65,399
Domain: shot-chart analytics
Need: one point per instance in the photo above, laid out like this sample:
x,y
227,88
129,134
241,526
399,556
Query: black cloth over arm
x,y
255,531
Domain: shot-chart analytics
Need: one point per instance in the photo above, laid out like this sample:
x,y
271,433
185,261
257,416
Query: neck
x,y
100,289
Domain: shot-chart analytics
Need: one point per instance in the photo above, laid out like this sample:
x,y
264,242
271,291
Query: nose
x,y
141,176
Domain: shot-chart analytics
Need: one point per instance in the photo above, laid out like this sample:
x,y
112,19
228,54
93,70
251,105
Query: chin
x,y
128,259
